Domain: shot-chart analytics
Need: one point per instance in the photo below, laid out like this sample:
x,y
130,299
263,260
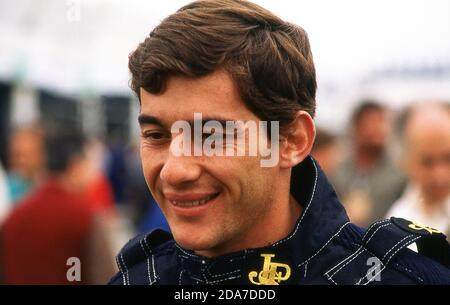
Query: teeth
x,y
194,202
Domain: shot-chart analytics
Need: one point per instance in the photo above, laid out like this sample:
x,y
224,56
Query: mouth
x,y
194,203
191,205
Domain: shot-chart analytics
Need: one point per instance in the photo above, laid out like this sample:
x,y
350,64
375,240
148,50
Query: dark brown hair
x,y
269,59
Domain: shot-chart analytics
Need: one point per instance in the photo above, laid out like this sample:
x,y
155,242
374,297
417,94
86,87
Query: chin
x,y
193,242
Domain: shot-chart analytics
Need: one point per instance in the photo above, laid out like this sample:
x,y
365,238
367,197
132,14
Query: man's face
x,y
26,153
237,190
372,130
428,161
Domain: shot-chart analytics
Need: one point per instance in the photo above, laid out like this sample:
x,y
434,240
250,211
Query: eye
x,y
155,136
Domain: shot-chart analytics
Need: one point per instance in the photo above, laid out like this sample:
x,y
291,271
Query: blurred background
x,y
383,122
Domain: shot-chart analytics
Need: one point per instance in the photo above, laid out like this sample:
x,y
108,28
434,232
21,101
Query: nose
x,y
179,169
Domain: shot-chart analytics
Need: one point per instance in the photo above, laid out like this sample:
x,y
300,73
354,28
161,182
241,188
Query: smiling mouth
x,y
194,203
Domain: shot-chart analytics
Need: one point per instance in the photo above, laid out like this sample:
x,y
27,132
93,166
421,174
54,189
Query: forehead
x,y
371,115
430,139
215,95
429,143
428,129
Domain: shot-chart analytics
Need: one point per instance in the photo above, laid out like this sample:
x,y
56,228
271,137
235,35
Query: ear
x,y
297,141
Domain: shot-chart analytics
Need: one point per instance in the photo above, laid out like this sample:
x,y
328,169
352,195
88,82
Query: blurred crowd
x,y
64,195
391,163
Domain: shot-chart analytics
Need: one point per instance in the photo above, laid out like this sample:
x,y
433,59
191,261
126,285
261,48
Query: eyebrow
x,y
145,119
204,120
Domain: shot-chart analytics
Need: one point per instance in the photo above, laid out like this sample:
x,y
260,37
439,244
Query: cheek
x,y
150,163
256,188
419,172
252,180
232,175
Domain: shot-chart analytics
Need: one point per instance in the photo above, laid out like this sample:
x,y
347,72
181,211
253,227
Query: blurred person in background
x,y
56,222
116,167
100,195
98,189
4,196
368,181
326,151
425,137
26,160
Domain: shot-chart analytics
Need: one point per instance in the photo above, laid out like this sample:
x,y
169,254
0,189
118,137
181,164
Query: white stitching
x,y
214,276
306,268
306,209
409,271
402,247
343,261
204,276
387,262
365,235
384,265
371,280
329,278
155,276
365,276
358,251
120,269
147,260
323,247
197,279
361,250
179,278
127,282
372,225
147,246
218,275
154,270
182,250
370,238
392,255
223,280
384,256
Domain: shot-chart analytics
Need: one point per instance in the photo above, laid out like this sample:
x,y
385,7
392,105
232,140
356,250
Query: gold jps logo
x,y
418,226
272,273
